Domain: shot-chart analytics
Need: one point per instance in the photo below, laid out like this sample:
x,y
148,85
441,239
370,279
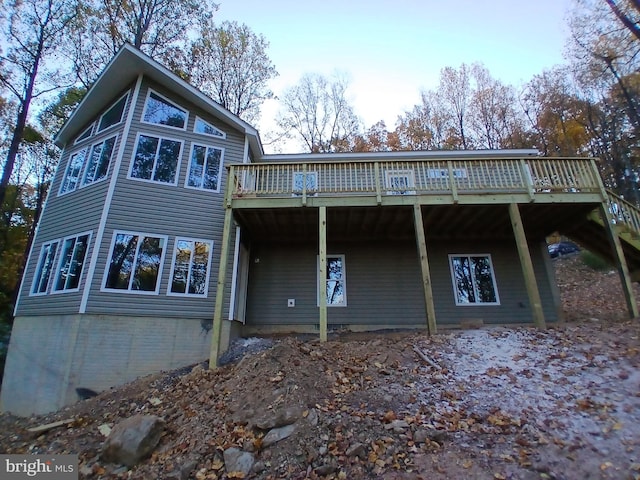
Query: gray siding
x,y
65,215
167,210
384,285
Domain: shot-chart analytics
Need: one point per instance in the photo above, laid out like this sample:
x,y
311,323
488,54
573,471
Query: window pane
x,y
213,168
462,277
105,158
203,127
77,262
122,258
147,264
335,292
85,134
159,111
299,180
145,157
167,161
63,273
45,266
334,268
72,175
199,269
196,168
181,267
113,115
484,279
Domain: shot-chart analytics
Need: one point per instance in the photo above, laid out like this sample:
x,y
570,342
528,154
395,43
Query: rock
x,y
133,439
327,469
397,426
420,435
277,434
235,460
357,450
312,418
285,416
259,467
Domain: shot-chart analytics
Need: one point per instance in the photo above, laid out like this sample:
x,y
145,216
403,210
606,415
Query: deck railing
x,y
623,212
532,175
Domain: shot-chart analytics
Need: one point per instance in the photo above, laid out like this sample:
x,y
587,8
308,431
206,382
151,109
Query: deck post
x,y
222,275
322,278
621,262
421,242
527,266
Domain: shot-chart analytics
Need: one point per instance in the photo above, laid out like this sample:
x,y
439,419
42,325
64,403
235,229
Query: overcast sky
x,y
393,49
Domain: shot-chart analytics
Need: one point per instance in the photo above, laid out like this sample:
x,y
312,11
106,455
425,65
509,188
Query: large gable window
x,y
205,128
135,263
72,173
161,111
190,269
86,133
336,282
114,115
99,159
156,159
205,168
72,257
44,268
473,280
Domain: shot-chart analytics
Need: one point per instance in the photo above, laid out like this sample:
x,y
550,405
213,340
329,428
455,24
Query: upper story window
x,y
474,282
400,182
135,263
86,133
161,111
72,257
114,115
205,128
72,173
205,168
305,180
42,277
98,162
190,269
156,159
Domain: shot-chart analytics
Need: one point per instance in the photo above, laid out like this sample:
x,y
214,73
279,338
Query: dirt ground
x,y
489,403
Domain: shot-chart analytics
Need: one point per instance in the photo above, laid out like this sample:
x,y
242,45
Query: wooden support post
x,y
222,274
421,242
621,262
323,273
452,182
376,169
527,266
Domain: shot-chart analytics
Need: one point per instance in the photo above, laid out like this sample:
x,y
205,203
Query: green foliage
x,y
594,261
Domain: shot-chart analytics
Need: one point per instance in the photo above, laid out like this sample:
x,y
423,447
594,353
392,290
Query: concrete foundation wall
x,y
49,357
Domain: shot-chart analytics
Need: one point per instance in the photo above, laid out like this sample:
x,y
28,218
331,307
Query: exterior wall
x,y
52,356
384,285
68,214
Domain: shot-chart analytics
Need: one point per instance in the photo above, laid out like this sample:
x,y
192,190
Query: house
x,y
168,231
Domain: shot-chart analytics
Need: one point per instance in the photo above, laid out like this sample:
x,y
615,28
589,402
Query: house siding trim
x,y
107,203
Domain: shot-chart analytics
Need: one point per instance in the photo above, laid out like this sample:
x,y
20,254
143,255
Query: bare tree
x,y
317,111
455,89
35,31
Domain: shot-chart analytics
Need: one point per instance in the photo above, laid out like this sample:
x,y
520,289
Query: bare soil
x,y
489,403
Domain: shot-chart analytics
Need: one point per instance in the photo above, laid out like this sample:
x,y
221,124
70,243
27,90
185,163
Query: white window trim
x,y
91,128
411,181
296,193
86,161
84,149
222,135
344,279
170,102
159,137
128,291
220,168
124,111
36,280
453,280
60,259
173,264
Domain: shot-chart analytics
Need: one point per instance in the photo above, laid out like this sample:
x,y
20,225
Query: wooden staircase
x,y
592,235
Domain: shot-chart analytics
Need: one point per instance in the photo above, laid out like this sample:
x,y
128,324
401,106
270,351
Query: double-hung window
x,y
191,266
156,159
205,168
98,161
44,269
336,281
474,281
135,263
160,111
72,257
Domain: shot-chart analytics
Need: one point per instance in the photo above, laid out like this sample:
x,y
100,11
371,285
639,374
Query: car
x,y
562,249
